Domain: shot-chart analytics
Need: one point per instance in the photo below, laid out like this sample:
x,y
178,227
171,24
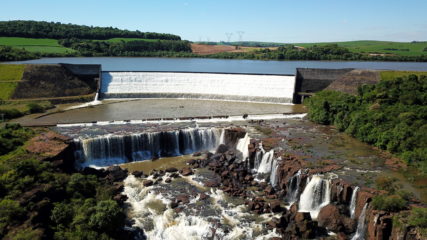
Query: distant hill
x,y
415,48
39,29
32,39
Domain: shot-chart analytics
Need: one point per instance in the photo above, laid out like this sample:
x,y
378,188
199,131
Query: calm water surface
x,y
223,65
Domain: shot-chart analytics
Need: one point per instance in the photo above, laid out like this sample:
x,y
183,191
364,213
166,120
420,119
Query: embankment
x,y
57,80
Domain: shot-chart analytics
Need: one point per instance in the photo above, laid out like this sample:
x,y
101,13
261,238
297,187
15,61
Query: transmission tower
x,y
228,35
240,33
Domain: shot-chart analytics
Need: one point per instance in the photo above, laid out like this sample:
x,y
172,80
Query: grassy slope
x,y
10,75
44,45
390,75
415,49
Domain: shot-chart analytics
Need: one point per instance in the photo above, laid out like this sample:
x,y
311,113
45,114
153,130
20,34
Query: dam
x,y
218,86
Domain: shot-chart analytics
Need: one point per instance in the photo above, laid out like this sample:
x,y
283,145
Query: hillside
x,y
21,40
378,47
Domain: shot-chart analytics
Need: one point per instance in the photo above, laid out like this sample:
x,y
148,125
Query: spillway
x,y
238,87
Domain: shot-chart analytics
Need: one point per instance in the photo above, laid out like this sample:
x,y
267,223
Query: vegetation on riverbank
x,y
365,47
390,115
39,201
315,52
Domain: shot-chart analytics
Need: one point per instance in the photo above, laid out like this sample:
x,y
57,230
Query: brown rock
x,y
168,180
275,206
203,196
186,171
138,174
116,174
212,183
302,216
147,183
171,170
184,199
331,218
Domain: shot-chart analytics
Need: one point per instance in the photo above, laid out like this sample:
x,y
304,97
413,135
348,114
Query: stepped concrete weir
x,y
224,86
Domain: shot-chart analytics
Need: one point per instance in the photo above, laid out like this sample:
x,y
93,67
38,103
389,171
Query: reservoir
x,y
223,65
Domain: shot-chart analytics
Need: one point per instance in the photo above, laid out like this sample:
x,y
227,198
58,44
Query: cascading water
x,y
353,202
266,162
293,189
263,88
108,150
361,226
242,146
273,175
315,195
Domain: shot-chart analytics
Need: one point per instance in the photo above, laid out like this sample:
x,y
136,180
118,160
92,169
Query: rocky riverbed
x,y
276,179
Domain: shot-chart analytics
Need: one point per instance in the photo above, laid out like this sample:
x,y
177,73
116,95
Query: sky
x,y
286,21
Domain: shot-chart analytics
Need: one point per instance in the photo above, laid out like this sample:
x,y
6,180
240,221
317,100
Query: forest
x,y
391,115
40,201
125,48
39,29
315,52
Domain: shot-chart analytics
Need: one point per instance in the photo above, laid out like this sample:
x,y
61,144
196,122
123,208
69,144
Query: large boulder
x,y
331,218
116,174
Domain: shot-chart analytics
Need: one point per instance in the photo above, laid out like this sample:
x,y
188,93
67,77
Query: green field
x,y
128,40
381,47
10,75
390,75
11,72
35,45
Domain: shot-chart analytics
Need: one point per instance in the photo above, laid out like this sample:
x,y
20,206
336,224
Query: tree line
x,y
124,48
56,30
391,115
324,52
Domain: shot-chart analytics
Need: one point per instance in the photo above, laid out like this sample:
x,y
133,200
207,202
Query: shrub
x,y
10,213
35,108
82,185
418,217
107,215
391,203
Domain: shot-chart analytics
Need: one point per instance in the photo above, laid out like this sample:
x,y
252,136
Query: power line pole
x,y
228,35
240,33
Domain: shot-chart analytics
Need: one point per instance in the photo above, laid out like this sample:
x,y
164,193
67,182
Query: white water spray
x,y
353,202
242,146
361,226
315,196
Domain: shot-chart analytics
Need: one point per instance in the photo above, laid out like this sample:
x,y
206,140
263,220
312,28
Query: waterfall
x,y
88,104
262,88
353,202
266,162
108,150
273,174
361,228
315,195
242,146
293,188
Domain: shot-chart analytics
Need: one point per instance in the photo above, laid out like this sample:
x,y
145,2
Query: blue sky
x,y
267,20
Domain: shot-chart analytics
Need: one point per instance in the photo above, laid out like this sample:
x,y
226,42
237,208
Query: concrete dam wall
x,y
238,87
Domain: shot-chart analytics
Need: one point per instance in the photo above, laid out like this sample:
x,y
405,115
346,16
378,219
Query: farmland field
x,y
390,75
379,47
43,45
11,72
